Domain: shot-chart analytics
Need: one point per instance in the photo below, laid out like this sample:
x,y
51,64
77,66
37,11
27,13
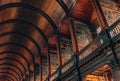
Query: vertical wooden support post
x,y
34,75
26,79
21,79
29,77
59,55
58,50
75,45
40,69
49,64
73,36
100,16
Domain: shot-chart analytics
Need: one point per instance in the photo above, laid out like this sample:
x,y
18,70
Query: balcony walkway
x,y
100,51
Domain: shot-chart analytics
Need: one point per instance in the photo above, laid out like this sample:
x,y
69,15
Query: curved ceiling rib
x,y
13,59
23,35
27,23
15,53
6,77
10,5
65,8
10,74
10,69
29,38
10,64
17,33
19,45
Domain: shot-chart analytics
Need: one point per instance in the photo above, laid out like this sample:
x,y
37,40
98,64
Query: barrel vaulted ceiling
x,y
28,26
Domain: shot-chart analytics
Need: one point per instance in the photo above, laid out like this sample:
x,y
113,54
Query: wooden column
x,y
40,69
49,64
100,16
29,77
24,78
58,51
32,69
75,45
21,79
73,36
59,56
34,75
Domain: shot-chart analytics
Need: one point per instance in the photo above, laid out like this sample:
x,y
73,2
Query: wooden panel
x,y
64,27
82,10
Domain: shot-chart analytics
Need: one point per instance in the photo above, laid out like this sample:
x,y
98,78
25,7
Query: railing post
x,y
107,38
114,63
77,67
59,78
112,47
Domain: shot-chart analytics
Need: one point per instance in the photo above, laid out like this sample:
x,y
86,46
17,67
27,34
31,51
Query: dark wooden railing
x,y
90,52
114,31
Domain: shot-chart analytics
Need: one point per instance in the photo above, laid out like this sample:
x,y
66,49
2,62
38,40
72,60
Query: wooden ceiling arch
x,y
14,60
10,64
78,11
6,77
12,70
27,23
12,75
31,8
23,35
27,6
18,45
14,53
65,8
17,54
